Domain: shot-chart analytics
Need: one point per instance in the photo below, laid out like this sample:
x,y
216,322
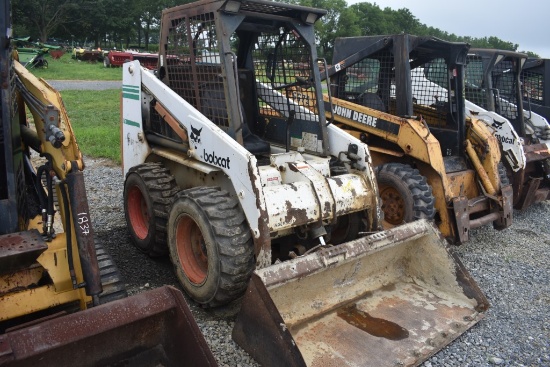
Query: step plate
x,y
20,249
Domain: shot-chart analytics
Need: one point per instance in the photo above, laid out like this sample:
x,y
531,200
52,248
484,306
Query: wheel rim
x,y
191,247
393,206
138,213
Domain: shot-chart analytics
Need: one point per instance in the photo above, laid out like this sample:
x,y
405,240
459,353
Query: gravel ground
x,y
510,266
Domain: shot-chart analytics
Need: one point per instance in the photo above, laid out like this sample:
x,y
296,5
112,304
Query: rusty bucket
x,y
155,328
393,298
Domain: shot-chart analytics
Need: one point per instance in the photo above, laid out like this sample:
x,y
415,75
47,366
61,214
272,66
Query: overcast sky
x,y
505,19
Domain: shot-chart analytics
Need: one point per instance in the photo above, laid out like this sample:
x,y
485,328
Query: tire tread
x,y
423,199
162,188
232,234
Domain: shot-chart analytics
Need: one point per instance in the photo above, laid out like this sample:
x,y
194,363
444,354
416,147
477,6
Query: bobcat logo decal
x,y
195,136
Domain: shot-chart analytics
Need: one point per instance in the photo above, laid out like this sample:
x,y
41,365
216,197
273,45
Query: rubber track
x,y
423,198
162,188
113,287
234,239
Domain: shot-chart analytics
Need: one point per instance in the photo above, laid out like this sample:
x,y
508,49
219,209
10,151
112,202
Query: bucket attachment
x,y
155,328
392,298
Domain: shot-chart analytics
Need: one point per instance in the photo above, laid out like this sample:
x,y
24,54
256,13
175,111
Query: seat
x,y
253,143
213,106
372,100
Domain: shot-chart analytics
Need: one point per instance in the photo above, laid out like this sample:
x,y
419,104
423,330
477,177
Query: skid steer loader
x,y
494,92
244,184
535,75
61,296
431,161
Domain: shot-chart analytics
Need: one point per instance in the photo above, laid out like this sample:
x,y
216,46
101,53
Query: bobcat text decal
x,y
505,139
212,158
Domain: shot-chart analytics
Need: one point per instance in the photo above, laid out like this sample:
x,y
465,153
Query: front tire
x,y
405,194
148,193
210,245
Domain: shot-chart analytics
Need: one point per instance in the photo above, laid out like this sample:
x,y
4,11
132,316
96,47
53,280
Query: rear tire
x,y
210,245
346,229
148,193
405,194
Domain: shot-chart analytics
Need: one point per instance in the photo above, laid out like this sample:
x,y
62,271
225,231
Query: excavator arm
x,y
54,139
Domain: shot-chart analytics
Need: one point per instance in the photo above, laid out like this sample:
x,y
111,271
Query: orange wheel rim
x,y
191,248
137,211
393,206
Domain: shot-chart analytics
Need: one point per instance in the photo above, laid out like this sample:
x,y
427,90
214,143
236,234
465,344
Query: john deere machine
x,y
431,161
61,298
494,88
242,181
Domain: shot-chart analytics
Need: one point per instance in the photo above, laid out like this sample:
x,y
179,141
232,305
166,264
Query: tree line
x,y
135,23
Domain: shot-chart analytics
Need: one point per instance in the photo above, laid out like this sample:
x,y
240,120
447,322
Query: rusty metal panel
x,y
155,328
393,298
536,152
19,250
505,209
17,281
291,205
462,218
463,182
350,193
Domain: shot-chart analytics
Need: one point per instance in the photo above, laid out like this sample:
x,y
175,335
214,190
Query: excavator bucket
x,y
392,298
155,328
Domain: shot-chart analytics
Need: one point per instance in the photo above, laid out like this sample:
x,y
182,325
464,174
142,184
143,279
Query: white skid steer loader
x,y
229,170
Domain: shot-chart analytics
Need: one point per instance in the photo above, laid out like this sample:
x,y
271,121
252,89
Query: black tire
x,y
210,245
113,287
346,228
405,194
106,62
148,193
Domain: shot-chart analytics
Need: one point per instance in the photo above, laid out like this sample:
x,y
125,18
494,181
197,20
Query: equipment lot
x,y
511,267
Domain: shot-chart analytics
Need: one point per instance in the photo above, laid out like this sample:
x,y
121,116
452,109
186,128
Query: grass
x,y
67,68
95,117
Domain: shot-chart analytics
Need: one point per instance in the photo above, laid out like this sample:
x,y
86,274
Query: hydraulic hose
x,y
84,233
68,233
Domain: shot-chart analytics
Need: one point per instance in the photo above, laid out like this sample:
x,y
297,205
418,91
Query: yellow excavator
x,y
62,301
